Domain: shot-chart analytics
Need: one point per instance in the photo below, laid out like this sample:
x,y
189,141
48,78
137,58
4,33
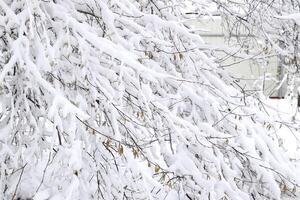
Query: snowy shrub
x,y
117,99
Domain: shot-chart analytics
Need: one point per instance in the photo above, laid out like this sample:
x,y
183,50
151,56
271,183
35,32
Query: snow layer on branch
x,y
116,99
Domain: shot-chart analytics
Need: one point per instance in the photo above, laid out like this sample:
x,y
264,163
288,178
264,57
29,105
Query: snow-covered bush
x,y
116,99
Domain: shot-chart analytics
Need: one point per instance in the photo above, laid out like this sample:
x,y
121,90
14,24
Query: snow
x,y
294,16
285,115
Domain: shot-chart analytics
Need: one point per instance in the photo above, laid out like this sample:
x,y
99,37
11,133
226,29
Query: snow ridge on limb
x,y
114,100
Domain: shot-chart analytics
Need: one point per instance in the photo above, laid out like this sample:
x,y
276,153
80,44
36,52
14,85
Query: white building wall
x,y
251,75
